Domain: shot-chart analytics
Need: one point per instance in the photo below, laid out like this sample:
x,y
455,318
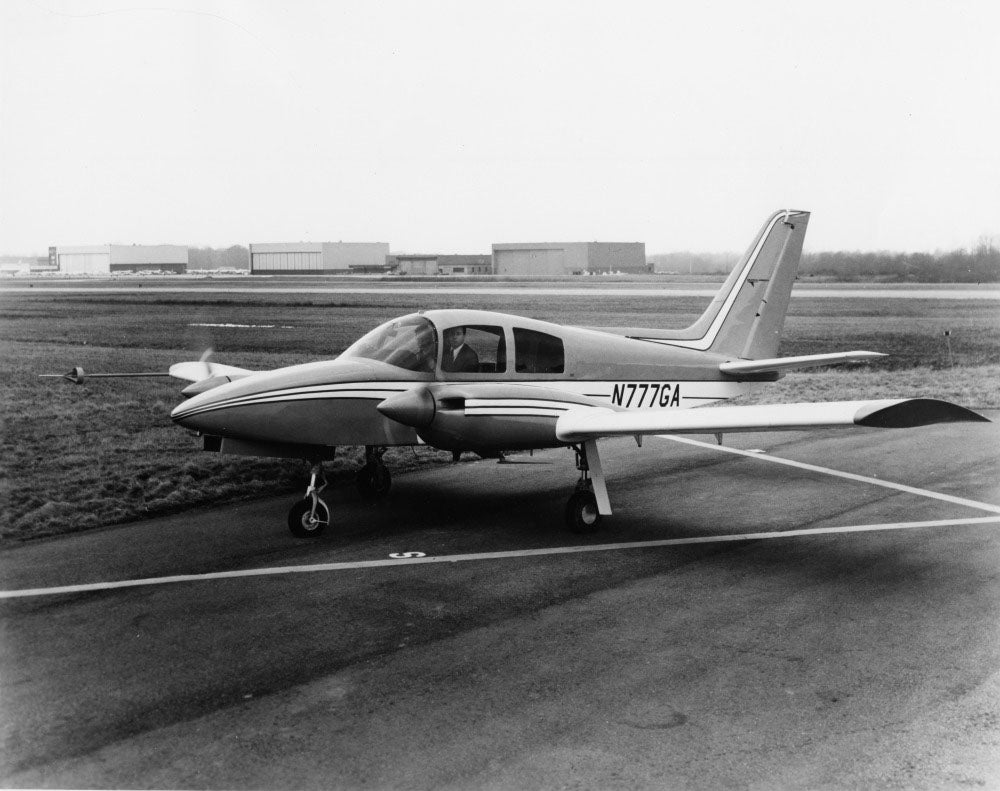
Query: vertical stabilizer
x,y
752,327
745,318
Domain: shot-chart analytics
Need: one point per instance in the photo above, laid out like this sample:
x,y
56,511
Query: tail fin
x,y
745,318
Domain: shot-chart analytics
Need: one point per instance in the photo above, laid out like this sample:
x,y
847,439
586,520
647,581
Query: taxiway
x,y
455,637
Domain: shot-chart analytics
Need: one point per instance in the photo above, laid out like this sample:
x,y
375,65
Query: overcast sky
x,y
446,126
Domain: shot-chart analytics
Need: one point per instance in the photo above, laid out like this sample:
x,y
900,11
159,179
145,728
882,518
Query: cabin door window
x,y
538,353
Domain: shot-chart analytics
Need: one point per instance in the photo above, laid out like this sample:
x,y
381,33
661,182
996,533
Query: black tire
x,y
581,513
302,524
374,481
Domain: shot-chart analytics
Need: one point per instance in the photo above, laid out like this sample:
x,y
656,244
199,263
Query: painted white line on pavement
x,y
762,456
519,553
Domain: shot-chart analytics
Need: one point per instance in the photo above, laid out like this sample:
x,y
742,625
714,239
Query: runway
x,y
825,622
637,290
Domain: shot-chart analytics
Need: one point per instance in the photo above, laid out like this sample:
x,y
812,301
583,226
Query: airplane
x,y
488,382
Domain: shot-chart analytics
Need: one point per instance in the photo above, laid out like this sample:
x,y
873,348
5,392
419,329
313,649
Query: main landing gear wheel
x,y
306,520
582,515
374,481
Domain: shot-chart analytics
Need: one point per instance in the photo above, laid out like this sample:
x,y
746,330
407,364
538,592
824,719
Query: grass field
x,y
79,457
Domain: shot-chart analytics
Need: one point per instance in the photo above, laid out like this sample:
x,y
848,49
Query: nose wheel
x,y
310,516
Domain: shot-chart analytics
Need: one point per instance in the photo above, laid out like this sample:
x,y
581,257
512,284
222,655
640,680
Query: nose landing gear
x,y
310,516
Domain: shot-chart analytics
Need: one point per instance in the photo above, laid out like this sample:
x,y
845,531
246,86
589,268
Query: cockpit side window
x,y
476,349
409,342
538,352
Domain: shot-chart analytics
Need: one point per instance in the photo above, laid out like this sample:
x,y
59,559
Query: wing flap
x,y
580,425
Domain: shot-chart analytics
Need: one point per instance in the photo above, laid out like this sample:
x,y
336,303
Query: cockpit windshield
x,y
409,342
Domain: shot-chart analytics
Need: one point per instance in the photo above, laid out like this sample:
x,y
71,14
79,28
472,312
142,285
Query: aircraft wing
x,y
198,370
581,425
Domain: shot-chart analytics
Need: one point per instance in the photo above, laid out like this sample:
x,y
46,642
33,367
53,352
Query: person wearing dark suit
x,y
458,357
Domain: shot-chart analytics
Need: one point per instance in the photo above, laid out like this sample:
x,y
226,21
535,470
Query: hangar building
x,y
460,265
550,259
104,259
304,258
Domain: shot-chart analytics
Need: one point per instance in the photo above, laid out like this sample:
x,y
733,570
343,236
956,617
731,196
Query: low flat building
x,y
104,259
556,259
307,258
416,264
11,265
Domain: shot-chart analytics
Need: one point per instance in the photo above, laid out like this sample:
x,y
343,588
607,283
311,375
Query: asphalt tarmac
x,y
859,650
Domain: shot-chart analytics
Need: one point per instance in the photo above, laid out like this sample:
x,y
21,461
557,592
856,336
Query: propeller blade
x,y
204,359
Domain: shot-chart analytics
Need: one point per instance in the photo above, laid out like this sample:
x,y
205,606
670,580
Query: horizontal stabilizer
x,y
579,425
738,367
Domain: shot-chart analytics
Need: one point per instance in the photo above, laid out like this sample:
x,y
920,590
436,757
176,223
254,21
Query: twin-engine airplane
x,y
491,382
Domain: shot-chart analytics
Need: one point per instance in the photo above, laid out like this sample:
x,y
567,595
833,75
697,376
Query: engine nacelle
x,y
486,416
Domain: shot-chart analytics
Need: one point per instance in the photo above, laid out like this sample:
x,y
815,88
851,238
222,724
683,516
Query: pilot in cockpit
x,y
458,356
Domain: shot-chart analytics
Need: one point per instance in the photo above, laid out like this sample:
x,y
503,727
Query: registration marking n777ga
x,y
646,394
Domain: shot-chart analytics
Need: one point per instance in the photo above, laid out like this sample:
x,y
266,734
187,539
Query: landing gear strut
x,y
374,479
310,516
589,502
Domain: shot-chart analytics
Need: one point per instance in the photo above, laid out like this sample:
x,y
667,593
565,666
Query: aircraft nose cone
x,y
187,414
414,408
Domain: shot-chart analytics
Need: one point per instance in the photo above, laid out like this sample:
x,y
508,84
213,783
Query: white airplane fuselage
x,y
534,372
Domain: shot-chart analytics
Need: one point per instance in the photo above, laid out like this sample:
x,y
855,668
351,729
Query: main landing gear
x,y
374,479
589,502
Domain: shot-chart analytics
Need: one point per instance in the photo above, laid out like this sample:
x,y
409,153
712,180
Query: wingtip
x,y
914,412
